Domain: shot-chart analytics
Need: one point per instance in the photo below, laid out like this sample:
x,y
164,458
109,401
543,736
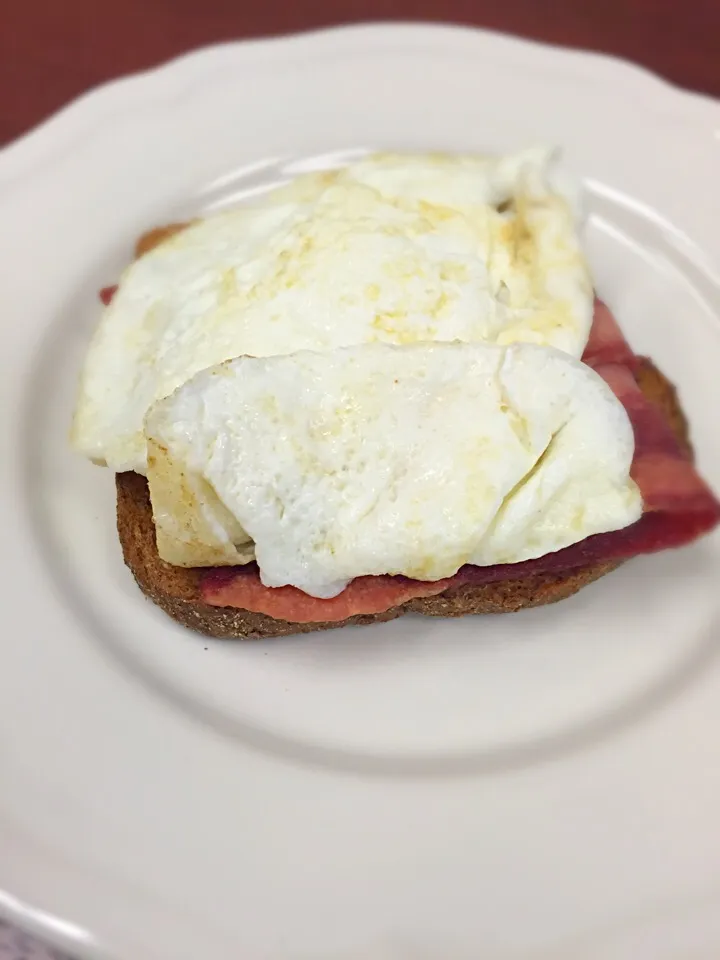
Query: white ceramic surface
x,y
543,785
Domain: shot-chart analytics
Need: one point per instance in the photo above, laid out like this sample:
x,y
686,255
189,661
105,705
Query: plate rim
x,y
24,156
37,141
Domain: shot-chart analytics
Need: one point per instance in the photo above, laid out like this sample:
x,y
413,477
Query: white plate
x,y
544,785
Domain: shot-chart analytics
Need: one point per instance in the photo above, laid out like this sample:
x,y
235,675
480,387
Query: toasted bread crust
x,y
176,589
153,238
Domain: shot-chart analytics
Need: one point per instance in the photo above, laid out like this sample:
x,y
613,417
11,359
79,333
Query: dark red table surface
x,y
52,50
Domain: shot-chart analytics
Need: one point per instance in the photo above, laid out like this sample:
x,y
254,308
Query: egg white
x,y
394,249
379,459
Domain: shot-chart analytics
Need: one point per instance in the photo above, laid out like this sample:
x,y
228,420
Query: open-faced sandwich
x,y
384,389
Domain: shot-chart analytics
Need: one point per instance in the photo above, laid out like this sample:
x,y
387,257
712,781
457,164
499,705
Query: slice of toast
x,y
176,589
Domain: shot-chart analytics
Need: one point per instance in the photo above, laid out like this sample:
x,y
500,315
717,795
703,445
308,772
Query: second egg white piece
x,y
378,459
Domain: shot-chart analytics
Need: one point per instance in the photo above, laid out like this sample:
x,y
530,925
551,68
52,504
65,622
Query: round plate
x,y
542,785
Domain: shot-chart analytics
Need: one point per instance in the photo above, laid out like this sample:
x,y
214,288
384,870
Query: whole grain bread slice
x,y
176,589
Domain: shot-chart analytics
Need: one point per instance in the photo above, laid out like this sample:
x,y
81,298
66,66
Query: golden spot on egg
x,y
435,568
578,519
328,177
223,369
442,303
394,324
306,245
383,322
228,286
407,267
268,404
372,291
420,570
519,427
454,272
392,230
441,158
519,237
436,212
153,322
555,316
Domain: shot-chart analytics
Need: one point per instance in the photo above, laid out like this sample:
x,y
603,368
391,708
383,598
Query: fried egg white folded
x,y
380,459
